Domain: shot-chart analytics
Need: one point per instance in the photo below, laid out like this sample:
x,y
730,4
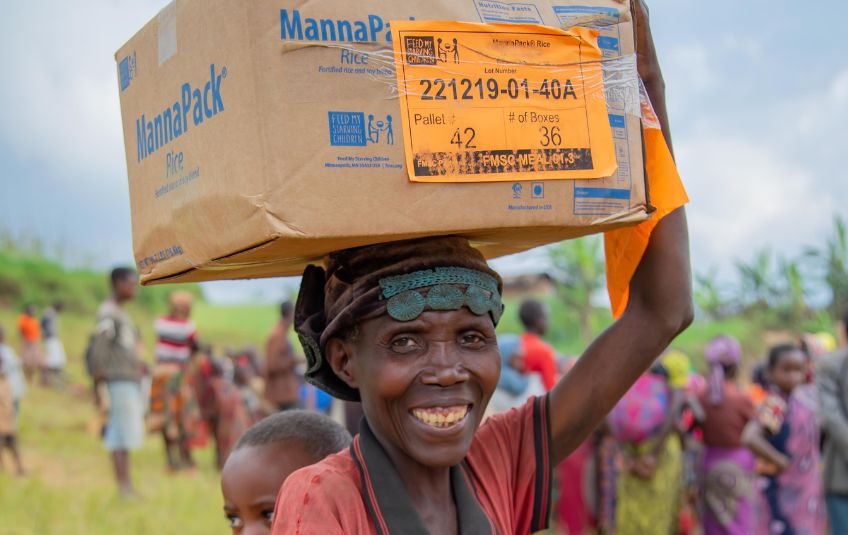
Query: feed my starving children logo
x,y
429,50
355,129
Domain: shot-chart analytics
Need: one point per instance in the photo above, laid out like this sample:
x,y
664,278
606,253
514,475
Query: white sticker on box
x,y
167,23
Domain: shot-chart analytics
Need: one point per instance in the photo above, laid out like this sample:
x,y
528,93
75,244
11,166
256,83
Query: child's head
x,y
180,304
786,367
534,316
265,456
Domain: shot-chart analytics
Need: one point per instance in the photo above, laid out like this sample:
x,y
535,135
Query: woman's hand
x,y
648,64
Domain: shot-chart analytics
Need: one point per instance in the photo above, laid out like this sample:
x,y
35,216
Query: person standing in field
x,y
54,351
30,331
648,487
12,369
832,382
539,356
117,366
281,383
172,401
728,466
8,421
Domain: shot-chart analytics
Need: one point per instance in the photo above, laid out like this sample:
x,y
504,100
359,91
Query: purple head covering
x,y
721,351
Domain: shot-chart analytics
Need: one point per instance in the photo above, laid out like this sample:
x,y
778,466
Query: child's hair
x,y
530,312
319,434
778,351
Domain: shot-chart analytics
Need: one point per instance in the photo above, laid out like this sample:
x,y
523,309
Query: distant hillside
x,y
30,278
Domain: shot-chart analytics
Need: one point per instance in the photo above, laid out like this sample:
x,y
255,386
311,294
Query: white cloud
x,y
746,196
60,85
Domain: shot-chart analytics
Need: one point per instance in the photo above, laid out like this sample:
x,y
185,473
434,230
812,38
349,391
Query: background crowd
x,y
732,448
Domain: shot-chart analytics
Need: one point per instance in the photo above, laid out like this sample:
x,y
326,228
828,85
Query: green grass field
x,y
69,487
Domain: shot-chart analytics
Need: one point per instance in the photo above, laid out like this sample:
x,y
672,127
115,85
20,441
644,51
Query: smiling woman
x,y
408,329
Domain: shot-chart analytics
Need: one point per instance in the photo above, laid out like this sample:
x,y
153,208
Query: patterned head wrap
x,y
401,279
721,351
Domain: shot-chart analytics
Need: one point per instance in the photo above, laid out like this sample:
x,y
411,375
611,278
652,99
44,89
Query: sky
x,y
757,94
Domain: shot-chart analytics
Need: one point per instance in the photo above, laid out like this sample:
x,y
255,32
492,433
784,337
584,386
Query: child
x,y
784,434
8,424
173,409
265,456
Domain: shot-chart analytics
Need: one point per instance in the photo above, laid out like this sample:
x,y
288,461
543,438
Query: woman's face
x,y
425,383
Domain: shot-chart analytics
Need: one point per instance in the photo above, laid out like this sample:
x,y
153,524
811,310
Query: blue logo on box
x,y
347,129
516,190
537,190
351,129
127,70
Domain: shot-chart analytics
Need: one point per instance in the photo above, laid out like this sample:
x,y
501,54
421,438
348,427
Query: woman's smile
x,y
442,417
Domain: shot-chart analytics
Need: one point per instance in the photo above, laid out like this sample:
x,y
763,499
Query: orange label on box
x,y
499,102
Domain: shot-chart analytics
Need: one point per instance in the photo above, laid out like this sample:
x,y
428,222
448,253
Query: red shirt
x,y
503,485
540,357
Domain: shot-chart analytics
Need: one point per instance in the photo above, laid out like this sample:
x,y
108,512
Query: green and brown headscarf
x,y
401,279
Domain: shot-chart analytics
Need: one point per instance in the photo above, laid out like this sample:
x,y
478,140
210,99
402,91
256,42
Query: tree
x,y
758,290
708,296
833,262
793,304
578,272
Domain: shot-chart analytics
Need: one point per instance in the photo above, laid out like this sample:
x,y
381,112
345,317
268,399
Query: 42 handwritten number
x,y
464,139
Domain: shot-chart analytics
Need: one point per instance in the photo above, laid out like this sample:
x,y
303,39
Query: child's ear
x,y
338,354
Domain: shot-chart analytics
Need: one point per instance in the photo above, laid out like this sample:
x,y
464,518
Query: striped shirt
x,y
174,339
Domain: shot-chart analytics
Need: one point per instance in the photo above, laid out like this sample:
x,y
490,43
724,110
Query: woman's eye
x,y
235,521
473,340
269,516
404,344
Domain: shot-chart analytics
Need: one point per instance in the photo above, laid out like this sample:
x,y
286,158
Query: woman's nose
x,y
444,367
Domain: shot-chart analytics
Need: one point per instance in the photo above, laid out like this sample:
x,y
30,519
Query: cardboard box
x,y
257,138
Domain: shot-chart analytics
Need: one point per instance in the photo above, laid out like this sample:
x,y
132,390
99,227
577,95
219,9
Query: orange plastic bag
x,y
624,247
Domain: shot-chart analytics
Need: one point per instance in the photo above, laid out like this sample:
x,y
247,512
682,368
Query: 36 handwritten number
x,y
551,136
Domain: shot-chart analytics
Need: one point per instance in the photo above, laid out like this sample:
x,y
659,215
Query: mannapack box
x,y
262,135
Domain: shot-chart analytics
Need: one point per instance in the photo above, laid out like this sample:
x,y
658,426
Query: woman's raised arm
x,y
658,309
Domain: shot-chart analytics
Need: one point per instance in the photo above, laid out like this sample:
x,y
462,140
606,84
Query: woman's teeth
x,y
441,416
